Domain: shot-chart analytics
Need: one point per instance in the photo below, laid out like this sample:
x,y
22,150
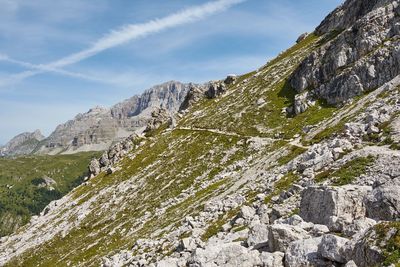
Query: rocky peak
x,y
97,110
22,144
100,127
348,13
358,53
168,95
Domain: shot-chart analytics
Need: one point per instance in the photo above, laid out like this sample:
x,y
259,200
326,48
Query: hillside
x,y
28,184
293,164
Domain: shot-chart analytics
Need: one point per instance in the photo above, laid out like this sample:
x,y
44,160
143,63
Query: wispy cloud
x,y
122,36
38,69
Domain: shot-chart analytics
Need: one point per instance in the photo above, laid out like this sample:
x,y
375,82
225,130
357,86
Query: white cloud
x,y
134,31
38,69
124,35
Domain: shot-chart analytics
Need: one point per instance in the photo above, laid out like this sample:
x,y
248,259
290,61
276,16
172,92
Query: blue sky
x,y
60,58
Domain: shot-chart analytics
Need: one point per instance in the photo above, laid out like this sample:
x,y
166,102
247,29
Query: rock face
x,y
330,248
22,144
304,253
225,255
383,203
280,235
100,127
112,156
334,207
195,94
363,52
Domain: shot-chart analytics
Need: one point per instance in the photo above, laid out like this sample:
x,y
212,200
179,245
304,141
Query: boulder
x,y
280,235
247,213
262,212
231,254
230,79
168,263
302,37
365,252
195,94
333,206
302,102
258,236
94,167
215,89
358,226
304,253
383,203
351,264
188,244
371,247
272,259
330,248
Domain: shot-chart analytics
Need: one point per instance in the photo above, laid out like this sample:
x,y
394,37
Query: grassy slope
x,y
20,195
172,162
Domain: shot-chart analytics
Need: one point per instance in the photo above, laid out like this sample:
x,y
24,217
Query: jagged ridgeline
x,y
294,164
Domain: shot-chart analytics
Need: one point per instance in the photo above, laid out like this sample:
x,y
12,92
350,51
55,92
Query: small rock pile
x,y
112,156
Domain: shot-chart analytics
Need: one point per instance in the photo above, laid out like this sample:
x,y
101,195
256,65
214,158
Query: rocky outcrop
x,y
304,253
361,52
225,255
330,248
281,235
383,203
334,207
22,144
158,117
195,94
112,156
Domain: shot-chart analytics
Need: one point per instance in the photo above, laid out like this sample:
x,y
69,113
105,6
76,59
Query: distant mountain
x,y
22,144
100,127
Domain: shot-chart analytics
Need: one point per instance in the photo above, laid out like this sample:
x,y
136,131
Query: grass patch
x,y
216,227
388,239
23,191
347,173
282,185
293,153
327,133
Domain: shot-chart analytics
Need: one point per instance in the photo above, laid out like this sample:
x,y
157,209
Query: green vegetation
x,y
247,118
330,36
388,239
294,212
23,188
293,153
216,227
179,160
395,146
281,185
348,172
328,132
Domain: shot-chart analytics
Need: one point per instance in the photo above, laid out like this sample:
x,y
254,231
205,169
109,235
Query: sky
x,y
60,58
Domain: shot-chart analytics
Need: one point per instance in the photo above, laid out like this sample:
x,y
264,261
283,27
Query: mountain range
x,y
100,127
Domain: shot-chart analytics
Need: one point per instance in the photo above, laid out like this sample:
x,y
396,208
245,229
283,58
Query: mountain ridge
x,y
99,128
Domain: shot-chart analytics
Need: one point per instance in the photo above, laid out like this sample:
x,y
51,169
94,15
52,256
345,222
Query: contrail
x,y
128,33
